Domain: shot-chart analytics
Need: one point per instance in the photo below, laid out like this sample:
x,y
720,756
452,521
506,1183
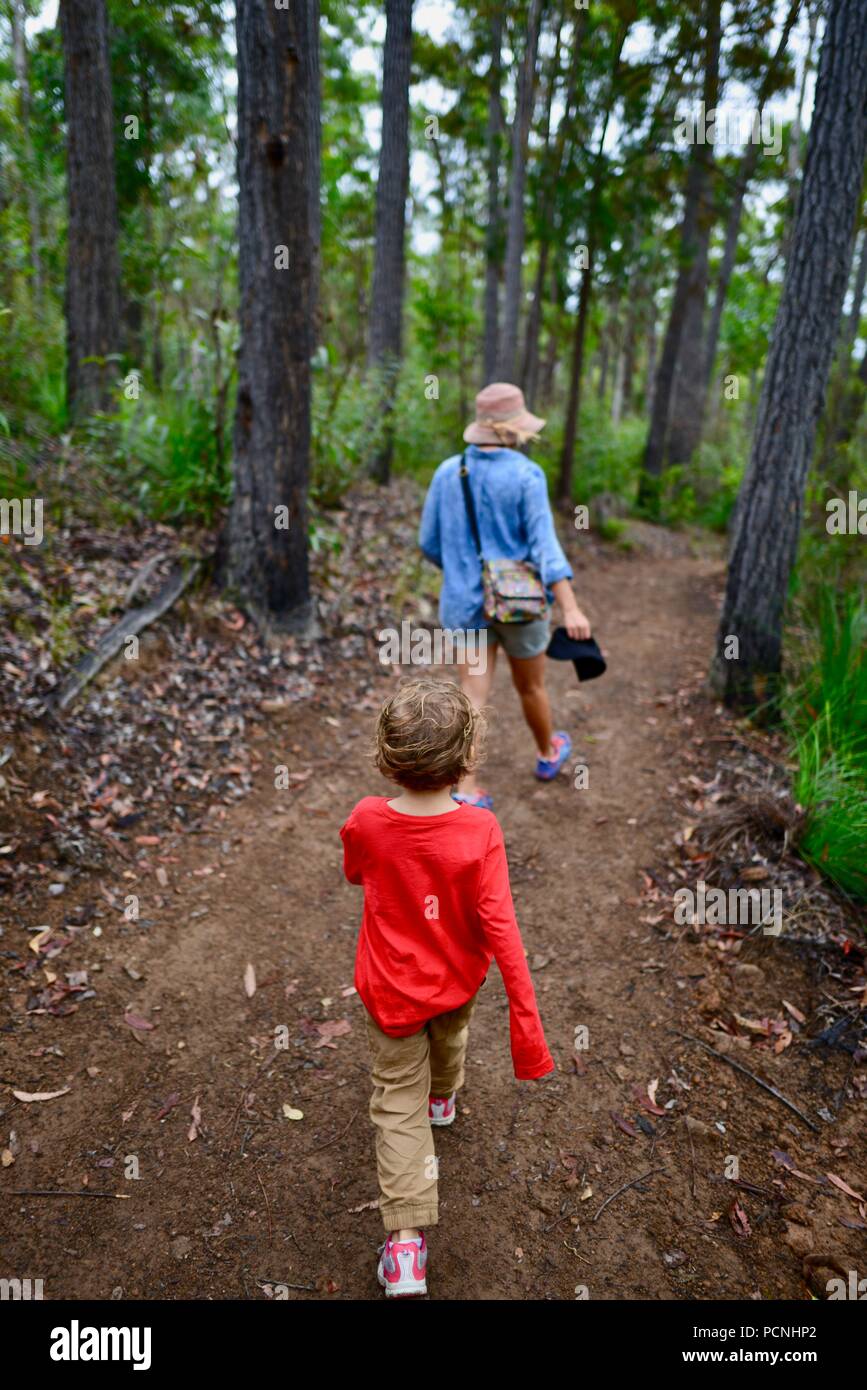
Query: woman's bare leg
x,y
476,685
528,675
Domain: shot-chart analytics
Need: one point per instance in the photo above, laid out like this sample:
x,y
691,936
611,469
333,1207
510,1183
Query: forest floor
x,y
169,1063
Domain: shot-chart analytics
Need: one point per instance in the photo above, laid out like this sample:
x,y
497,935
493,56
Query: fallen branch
x,y
60,1192
128,626
765,1085
625,1188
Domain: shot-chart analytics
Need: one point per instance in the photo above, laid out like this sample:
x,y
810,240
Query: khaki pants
x,y
405,1072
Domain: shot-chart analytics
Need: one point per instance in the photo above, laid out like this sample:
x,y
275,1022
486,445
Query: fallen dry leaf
x,y
169,1105
196,1117
141,1025
29,1096
331,1028
796,1013
624,1124
739,1219
844,1187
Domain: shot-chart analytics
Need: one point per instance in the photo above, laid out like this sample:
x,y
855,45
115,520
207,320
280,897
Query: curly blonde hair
x,y
428,735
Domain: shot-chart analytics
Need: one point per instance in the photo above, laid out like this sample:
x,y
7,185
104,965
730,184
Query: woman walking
x,y
487,525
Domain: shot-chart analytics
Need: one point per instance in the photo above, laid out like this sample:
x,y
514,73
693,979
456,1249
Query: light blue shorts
x,y
521,640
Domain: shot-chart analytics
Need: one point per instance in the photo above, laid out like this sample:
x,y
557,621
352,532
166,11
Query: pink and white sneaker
x,y
441,1109
402,1267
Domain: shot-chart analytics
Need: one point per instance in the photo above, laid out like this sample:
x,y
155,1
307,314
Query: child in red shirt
x,y
437,908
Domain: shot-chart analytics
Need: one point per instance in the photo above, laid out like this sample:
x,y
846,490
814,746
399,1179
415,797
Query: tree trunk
x,y
545,159
508,354
493,234
617,389
18,16
842,407
570,432
386,299
688,395
551,175
314,161
749,163
264,558
793,172
768,514
530,372
692,274
93,327
604,353
549,367
652,355
630,351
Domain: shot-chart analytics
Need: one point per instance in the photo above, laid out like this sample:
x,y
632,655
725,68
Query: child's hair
x,y
428,735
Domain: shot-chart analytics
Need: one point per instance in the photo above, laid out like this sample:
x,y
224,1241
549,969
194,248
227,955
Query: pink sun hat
x,y
502,416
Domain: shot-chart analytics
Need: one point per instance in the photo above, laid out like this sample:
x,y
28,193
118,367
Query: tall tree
x,y
493,230
314,165
768,514
599,176
93,273
264,553
747,168
18,18
552,166
692,272
508,353
386,304
842,405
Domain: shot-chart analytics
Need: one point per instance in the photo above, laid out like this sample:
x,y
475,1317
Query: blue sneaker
x,y
476,798
547,768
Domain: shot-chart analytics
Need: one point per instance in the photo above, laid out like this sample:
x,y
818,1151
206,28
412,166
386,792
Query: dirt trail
x,y
259,1198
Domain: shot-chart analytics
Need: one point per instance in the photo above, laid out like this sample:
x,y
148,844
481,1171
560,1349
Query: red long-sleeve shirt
x,y
437,908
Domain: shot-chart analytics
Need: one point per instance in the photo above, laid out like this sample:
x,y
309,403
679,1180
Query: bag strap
x,y
470,504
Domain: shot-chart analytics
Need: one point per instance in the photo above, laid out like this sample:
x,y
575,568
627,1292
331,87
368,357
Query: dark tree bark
x,y
692,274
842,407
264,560
793,175
686,407
508,353
385,334
652,355
768,514
93,326
494,230
314,164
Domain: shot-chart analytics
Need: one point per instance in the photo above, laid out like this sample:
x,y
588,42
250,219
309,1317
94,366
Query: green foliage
x,y
827,719
167,450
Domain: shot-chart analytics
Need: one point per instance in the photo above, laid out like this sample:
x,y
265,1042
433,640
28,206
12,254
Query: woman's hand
x,y
577,624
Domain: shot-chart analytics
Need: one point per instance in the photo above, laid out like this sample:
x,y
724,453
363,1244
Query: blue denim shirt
x,y
515,523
